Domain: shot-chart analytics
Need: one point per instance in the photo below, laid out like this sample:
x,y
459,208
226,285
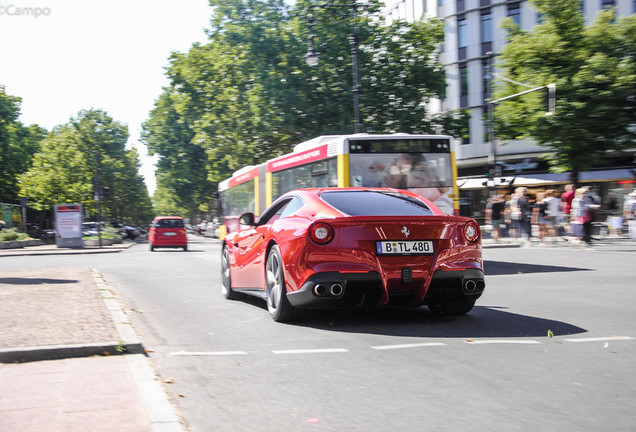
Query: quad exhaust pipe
x,y
334,290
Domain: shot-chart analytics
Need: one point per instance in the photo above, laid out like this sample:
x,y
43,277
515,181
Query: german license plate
x,y
170,234
404,247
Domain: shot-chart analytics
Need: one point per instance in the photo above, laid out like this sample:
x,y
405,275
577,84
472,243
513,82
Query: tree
x,y
594,69
247,95
72,159
18,144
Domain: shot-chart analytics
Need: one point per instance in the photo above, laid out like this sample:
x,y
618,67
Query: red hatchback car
x,y
168,232
353,247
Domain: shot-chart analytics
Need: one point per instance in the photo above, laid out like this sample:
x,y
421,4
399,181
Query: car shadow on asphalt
x,y
481,322
497,268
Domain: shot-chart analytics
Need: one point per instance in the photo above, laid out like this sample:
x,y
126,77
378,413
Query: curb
x,y
128,342
42,250
161,413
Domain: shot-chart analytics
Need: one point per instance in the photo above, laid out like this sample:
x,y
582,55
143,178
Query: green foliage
x,y
74,154
18,144
11,234
594,69
247,95
110,233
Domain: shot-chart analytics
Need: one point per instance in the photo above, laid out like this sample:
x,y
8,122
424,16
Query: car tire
x,y
226,276
277,303
185,248
152,248
457,308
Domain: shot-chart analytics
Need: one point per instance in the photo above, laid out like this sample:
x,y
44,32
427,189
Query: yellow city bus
x,y
424,164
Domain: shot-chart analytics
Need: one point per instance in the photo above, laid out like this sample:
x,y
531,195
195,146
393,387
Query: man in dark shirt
x,y
495,215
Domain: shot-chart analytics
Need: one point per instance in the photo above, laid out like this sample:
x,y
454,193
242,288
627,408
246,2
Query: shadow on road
x,y
497,268
34,281
481,322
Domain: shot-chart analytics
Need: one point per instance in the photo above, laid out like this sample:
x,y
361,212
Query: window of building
x,y
514,12
462,37
483,3
485,73
463,79
460,6
486,26
463,85
462,32
608,4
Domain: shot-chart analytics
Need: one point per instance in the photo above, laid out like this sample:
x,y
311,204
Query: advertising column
x,y
68,224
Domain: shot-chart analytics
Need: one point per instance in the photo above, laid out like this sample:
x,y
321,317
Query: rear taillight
x,y
471,231
321,232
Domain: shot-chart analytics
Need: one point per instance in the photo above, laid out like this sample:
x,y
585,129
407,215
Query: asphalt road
x,y
232,368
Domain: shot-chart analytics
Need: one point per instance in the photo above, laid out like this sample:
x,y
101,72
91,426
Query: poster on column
x,y
68,225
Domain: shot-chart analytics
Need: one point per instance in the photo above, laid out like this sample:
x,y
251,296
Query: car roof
x,y
168,217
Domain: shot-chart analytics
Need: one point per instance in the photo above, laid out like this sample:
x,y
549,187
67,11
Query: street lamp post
x,y
491,125
312,59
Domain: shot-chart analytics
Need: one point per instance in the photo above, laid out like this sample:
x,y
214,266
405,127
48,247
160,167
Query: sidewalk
x,y
70,360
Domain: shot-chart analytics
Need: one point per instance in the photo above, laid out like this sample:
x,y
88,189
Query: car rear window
x,y
374,203
169,223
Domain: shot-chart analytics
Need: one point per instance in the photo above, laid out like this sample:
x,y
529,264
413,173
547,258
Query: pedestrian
x,y
520,212
629,213
629,206
566,203
553,212
582,208
508,216
495,215
540,218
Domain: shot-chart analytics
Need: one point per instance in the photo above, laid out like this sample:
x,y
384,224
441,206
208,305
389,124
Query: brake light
x,y
471,231
321,232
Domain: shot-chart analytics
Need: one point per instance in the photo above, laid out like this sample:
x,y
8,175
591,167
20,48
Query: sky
x,y
63,56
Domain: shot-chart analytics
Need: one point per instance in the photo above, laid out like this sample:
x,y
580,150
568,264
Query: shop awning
x,y
482,183
533,180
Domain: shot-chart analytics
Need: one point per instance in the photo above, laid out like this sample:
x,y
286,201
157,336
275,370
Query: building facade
x,y
473,33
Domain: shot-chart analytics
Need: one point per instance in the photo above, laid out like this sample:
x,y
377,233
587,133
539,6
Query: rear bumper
x,y
169,243
341,290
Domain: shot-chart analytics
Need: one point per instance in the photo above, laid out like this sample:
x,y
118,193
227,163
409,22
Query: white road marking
x,y
415,345
207,353
600,339
500,341
311,351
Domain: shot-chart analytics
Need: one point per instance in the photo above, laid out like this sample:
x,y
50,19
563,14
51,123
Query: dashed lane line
x,y
501,341
403,346
311,351
207,353
599,339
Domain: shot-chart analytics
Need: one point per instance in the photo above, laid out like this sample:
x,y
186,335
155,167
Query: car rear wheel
x,y
277,303
226,278
458,308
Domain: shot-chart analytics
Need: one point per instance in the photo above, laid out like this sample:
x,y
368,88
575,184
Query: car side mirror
x,y
247,219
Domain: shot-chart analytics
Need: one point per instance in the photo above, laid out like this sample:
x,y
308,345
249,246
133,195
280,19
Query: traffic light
x,y
550,99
